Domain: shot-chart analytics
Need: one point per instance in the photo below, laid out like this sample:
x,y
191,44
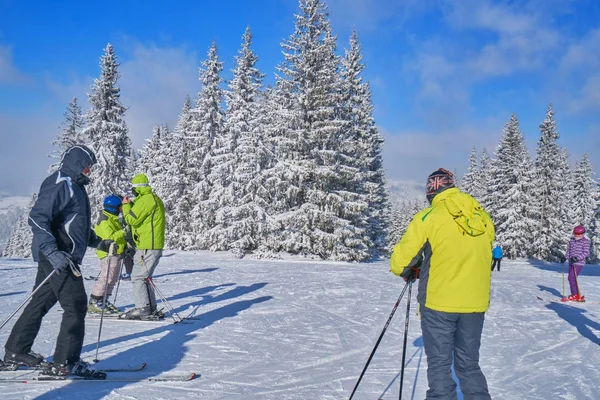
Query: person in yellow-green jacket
x,y
108,227
146,216
448,247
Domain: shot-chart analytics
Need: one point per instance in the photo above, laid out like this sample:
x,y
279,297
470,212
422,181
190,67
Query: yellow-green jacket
x,y
109,227
455,236
147,219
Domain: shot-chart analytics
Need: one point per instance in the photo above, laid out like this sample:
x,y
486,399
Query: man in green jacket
x,y
146,216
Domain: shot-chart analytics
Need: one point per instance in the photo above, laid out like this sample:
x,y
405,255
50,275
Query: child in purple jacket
x,y
577,251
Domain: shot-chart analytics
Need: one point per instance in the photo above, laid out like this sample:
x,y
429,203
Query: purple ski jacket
x,y
579,249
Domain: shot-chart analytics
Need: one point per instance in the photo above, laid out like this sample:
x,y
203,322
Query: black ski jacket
x,y
60,218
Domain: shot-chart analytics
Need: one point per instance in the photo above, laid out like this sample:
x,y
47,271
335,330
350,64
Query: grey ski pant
x,y
453,338
144,264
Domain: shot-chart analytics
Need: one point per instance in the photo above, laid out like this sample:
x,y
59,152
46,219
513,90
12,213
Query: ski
x,y
570,303
75,378
23,368
126,369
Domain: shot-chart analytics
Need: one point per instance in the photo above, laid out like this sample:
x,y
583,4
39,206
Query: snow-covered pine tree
x,y
316,195
150,162
206,125
177,199
108,133
19,244
564,204
584,197
550,192
483,184
240,157
508,189
361,156
71,133
402,213
470,181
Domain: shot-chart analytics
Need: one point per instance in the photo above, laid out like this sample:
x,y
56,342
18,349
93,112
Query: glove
x,y
573,260
410,274
60,260
112,249
105,245
562,259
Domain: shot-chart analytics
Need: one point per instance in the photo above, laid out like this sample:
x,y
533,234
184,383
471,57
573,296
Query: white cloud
x,y
416,154
154,82
24,156
9,73
369,15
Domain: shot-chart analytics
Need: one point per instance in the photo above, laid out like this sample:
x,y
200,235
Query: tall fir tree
x,y
19,244
361,156
549,192
483,184
108,133
206,126
470,182
316,197
178,201
240,160
509,188
71,133
584,193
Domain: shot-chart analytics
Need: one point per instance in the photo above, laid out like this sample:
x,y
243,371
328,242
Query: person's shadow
x,y
550,290
575,316
162,355
418,353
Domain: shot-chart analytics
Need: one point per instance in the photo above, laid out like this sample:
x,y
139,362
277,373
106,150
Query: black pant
x,y
496,261
70,293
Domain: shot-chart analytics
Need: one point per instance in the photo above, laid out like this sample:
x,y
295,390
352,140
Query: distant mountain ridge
x,y
402,190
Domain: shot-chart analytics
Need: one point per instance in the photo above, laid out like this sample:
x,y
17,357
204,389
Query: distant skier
x,y
497,257
62,231
577,252
455,235
108,227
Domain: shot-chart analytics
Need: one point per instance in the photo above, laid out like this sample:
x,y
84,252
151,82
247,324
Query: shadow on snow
x,y
575,316
162,354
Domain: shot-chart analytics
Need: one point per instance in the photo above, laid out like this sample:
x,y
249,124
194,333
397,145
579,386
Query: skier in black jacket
x,y
61,225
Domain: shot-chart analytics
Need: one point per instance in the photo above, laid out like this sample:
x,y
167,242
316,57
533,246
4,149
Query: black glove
x,y
105,245
61,261
562,259
410,274
573,260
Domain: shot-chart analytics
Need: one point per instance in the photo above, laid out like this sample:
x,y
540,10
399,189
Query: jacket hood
x,y
140,184
466,211
75,160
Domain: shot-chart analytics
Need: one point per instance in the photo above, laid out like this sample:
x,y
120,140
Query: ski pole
x,y
118,283
28,297
405,339
162,297
170,308
563,291
379,340
103,307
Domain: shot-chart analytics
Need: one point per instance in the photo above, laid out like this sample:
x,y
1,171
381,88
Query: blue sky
x,y
445,75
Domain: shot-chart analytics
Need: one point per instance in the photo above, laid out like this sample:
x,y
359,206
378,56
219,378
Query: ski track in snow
x,y
303,329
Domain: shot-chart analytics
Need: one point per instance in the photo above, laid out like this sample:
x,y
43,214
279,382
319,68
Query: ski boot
x,y
16,360
79,368
137,313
